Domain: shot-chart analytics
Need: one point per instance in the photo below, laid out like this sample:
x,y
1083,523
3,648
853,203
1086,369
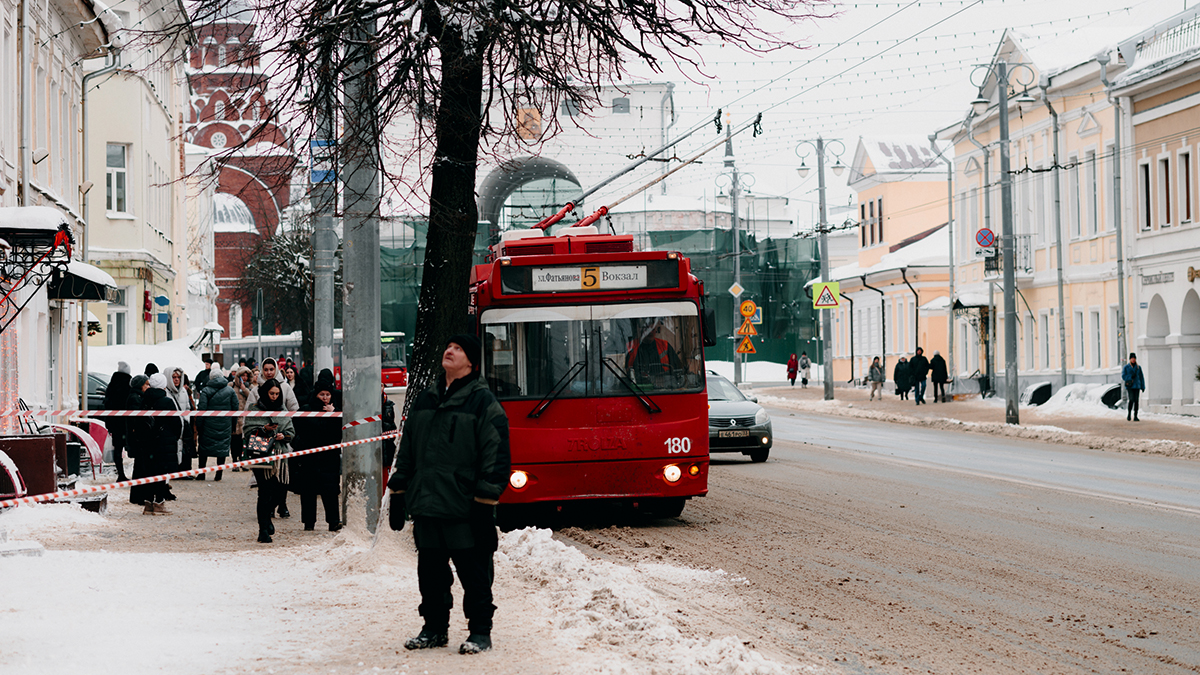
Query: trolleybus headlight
x,y
518,479
694,470
505,261
672,473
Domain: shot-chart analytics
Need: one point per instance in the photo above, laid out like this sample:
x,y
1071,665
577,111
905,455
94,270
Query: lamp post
x,y
999,70
819,146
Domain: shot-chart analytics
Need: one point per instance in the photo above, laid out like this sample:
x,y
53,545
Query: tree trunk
x,y
453,214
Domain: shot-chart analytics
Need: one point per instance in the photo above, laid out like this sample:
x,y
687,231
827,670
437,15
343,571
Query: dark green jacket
x,y
215,432
454,448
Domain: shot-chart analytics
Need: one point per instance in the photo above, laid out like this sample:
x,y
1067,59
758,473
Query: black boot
x,y
427,639
264,536
476,643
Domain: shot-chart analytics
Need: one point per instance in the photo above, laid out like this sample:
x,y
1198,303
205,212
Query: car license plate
x,y
740,433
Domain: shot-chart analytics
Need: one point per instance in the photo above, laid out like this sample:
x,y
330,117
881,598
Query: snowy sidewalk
x,y
194,593
1069,422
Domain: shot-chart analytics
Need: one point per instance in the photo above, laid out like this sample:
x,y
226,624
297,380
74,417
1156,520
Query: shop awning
x,y
81,281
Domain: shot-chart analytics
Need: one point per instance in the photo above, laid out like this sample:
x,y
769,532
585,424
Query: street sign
x,y
736,289
747,347
747,308
826,295
985,238
747,328
321,166
757,318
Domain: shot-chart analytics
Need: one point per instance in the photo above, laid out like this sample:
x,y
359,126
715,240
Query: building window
x,y
1078,342
570,107
1114,356
871,222
235,320
1164,192
116,178
1044,320
880,210
620,106
1093,194
1030,345
1185,187
862,223
1097,338
1144,193
1073,202
118,316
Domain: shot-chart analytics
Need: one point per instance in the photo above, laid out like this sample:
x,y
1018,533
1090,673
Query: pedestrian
x,y
300,389
451,467
271,474
180,392
805,366
116,395
214,434
1135,384
240,381
793,366
876,377
388,412
900,377
318,474
201,378
164,444
939,376
918,370
139,434
270,373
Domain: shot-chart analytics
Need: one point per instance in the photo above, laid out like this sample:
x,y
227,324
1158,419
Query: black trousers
x,y
270,492
475,573
939,391
1133,402
219,461
308,507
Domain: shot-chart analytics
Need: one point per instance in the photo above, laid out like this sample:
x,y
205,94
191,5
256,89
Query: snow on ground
x,y
342,604
760,371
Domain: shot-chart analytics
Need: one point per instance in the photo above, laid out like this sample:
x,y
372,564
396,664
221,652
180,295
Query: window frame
x,y
113,175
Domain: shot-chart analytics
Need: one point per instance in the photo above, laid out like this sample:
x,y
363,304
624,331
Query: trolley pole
x,y
361,364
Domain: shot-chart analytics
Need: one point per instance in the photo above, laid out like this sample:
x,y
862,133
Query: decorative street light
x,y
1000,71
803,151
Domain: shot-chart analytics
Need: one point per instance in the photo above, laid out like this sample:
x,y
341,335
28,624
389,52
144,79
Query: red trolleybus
x,y
596,352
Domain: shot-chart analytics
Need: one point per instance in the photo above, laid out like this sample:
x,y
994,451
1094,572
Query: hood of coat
x,y
216,382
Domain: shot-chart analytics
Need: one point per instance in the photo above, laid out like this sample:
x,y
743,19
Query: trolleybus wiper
x,y
651,406
562,383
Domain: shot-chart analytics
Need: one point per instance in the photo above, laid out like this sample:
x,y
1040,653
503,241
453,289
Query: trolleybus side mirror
x,y
709,316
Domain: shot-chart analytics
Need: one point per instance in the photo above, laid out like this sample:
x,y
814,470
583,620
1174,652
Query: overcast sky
x,y
878,68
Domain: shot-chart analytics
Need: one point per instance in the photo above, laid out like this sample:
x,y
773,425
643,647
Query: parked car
x,y
96,384
736,422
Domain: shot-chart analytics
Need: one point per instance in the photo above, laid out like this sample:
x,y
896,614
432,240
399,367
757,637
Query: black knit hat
x,y
471,345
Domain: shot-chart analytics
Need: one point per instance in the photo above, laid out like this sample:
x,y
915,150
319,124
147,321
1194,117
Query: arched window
x,y
235,320
219,110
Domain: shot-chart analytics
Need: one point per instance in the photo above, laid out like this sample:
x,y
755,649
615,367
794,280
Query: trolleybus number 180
x,y
678,444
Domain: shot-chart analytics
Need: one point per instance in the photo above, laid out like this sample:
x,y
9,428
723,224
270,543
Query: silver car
x,y
736,422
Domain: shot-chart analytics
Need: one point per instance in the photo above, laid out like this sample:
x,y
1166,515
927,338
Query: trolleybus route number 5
x,y
678,444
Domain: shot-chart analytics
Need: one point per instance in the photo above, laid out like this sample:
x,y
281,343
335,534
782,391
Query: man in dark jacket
x,y
1135,384
451,466
116,394
214,434
918,370
162,448
939,376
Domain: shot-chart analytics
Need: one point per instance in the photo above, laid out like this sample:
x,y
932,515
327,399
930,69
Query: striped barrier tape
x,y
168,413
92,489
365,420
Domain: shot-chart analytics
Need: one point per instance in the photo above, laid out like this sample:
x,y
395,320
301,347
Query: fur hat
x,y
158,381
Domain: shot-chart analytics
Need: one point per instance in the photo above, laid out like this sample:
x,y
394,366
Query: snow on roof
x,y
940,303
231,214
174,353
1061,53
905,153
972,300
932,251
258,150
31,218
1161,47
91,318
91,273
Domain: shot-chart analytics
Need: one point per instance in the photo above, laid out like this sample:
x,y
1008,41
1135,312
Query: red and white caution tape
x,y
92,489
365,420
167,413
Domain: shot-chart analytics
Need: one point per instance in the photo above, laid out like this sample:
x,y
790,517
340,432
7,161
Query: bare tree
x,y
447,63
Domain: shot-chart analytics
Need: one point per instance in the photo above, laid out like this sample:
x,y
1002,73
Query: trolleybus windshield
x,y
654,346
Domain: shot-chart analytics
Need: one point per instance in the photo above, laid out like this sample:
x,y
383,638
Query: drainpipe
x,y
990,337
87,226
1116,104
882,320
1058,241
916,308
25,158
851,301
950,231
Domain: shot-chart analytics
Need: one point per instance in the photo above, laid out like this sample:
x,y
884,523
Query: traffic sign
x,y
736,289
747,308
747,347
757,318
985,238
747,328
826,295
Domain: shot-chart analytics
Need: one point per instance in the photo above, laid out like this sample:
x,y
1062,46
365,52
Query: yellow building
x,y
1160,92
1049,101
903,255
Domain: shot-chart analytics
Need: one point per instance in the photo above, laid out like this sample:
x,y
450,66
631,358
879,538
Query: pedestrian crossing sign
x,y
747,347
826,295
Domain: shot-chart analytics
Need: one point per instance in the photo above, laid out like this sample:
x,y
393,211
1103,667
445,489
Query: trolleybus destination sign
x,y
549,279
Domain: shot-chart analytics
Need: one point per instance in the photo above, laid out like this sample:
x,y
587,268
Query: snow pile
x,y
612,613
173,353
757,371
33,519
1079,400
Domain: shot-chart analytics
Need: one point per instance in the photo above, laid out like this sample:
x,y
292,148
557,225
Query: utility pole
x,y
324,203
1122,349
950,232
1011,394
1058,240
361,365
826,314
737,239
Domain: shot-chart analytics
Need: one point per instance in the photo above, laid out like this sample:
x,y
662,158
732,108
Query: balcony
x,y
993,265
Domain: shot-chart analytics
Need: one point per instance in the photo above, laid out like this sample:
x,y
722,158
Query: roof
x,y
1161,48
91,273
903,153
931,251
31,218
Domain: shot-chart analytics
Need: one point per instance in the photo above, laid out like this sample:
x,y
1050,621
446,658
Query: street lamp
x,y
1000,71
802,150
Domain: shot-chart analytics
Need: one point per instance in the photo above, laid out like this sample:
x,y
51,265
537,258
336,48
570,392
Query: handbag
x,y
259,444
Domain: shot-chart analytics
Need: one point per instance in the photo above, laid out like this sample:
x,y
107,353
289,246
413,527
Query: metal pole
x,y
737,243
361,363
1122,348
826,320
258,306
1011,413
324,237
950,235
1058,245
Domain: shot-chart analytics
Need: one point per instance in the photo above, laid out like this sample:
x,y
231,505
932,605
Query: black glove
x,y
396,511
